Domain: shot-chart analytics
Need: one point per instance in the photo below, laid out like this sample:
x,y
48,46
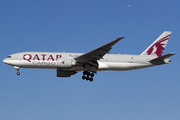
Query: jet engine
x,y
64,73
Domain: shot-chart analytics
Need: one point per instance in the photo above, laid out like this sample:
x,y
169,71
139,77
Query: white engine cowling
x,y
65,63
63,73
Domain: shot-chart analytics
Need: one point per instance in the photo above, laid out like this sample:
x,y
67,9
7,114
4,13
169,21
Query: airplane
x,y
68,64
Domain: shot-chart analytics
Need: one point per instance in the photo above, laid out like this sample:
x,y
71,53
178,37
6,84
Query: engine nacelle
x,y
65,63
63,73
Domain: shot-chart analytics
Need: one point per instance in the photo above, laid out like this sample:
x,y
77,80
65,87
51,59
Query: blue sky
x,y
81,26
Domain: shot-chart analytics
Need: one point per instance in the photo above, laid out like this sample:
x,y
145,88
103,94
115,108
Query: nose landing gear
x,y
18,73
88,75
17,68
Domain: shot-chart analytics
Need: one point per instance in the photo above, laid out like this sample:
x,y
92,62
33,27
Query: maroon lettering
x,y
50,57
36,57
27,57
58,56
43,56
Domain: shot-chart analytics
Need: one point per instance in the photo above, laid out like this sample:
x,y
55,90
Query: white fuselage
x,y
49,60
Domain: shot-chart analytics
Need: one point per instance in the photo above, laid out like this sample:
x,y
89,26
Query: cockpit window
x,y
8,57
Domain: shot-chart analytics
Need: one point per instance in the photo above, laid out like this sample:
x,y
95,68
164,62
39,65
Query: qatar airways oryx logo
x,y
29,57
158,47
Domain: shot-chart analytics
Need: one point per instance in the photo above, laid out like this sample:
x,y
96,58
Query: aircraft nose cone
x,y
6,61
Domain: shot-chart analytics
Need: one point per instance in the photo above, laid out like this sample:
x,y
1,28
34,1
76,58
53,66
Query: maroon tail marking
x,y
159,46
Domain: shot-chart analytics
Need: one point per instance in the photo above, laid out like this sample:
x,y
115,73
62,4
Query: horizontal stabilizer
x,y
162,57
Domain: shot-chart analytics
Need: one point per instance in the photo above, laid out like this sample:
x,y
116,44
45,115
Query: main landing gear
x,y
17,68
88,75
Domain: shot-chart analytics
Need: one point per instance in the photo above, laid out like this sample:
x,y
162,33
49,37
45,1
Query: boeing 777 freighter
x,y
68,64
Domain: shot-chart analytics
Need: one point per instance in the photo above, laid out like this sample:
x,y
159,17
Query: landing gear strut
x,y
17,68
88,75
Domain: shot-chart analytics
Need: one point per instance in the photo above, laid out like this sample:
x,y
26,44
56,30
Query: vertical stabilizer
x,y
158,46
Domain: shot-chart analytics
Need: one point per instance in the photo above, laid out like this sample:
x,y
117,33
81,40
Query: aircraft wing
x,y
98,53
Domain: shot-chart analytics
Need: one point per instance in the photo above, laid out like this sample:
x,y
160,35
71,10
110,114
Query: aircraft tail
x,y
158,46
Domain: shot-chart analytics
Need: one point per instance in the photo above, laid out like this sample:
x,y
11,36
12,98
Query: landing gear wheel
x,y
87,78
85,72
18,73
88,75
91,79
83,77
92,74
